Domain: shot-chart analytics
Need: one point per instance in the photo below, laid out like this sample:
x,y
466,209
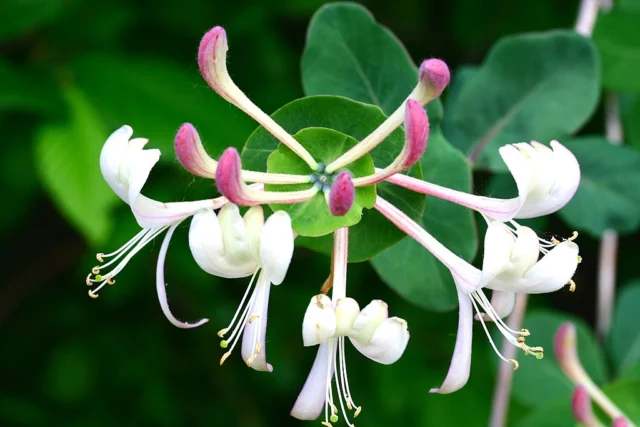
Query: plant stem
x,y
504,380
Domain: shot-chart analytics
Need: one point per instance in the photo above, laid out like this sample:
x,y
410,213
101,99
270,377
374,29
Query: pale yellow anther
x,y
259,347
358,410
555,241
334,408
253,317
572,286
326,424
251,359
524,332
516,365
573,237
96,270
221,332
349,406
89,283
99,257
224,357
520,340
92,295
110,281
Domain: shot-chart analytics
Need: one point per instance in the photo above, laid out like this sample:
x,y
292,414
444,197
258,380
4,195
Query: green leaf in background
x,y
408,267
630,115
460,77
624,340
343,57
123,93
608,196
530,87
541,381
22,89
312,218
374,233
20,16
67,159
618,40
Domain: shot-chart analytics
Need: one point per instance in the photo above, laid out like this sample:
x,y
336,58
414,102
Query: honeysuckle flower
x,y
546,179
565,347
229,245
510,265
326,323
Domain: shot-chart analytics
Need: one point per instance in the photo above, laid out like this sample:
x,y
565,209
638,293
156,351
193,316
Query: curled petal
x,y
254,337
460,367
319,322
388,342
112,156
276,246
341,195
498,247
310,401
347,310
207,247
549,274
161,285
153,214
368,320
191,153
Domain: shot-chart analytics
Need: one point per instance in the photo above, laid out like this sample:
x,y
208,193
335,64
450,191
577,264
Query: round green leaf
x,y
373,233
312,218
608,196
618,40
408,267
530,87
624,341
541,381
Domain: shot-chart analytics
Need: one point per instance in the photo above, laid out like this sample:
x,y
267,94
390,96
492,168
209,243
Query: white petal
x,y
319,322
567,179
347,310
153,214
460,367
112,156
254,337
237,244
549,274
521,169
144,161
205,242
276,246
503,303
368,321
498,247
310,401
387,343
253,224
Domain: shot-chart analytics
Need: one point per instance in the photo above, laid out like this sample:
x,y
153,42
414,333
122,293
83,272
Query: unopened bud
x,y
416,128
191,153
581,406
620,422
228,177
435,75
564,347
341,195
212,59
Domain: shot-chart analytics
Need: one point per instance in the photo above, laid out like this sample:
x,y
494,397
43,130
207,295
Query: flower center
x,y
321,179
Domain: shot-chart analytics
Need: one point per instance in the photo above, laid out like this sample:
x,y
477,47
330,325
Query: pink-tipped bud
x,y
191,153
416,128
581,406
341,195
434,74
620,422
212,59
228,177
564,347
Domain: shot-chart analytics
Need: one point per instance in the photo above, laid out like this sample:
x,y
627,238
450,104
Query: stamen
x,y
572,286
516,365
225,357
493,345
92,295
253,317
223,331
96,270
573,237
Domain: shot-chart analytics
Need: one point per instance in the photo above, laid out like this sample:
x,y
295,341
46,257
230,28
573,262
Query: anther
x,y
253,317
555,241
92,295
520,340
326,424
572,286
110,281
221,332
224,357
251,359
88,281
524,332
96,269
358,410
524,348
259,347
99,257
573,237
516,365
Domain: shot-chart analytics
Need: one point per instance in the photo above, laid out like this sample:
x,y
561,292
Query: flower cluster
x,y
227,244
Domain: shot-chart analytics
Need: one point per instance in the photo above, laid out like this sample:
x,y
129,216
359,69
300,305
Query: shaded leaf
x,y
624,339
618,40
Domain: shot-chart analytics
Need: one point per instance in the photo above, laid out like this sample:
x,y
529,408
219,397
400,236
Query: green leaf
x,y
618,40
608,196
22,89
342,57
630,115
67,159
123,92
624,340
541,381
373,233
408,267
459,79
312,218
530,87
19,16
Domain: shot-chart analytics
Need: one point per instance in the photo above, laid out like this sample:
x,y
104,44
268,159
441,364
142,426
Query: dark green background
x,y
69,360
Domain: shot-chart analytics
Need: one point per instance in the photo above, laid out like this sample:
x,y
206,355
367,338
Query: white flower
x,y
231,246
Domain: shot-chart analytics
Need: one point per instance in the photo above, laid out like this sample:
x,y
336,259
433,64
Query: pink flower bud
x,y
212,59
228,179
620,422
434,74
341,195
191,154
564,347
416,128
581,406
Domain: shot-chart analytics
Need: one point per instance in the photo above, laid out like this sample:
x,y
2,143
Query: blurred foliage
x,y
73,70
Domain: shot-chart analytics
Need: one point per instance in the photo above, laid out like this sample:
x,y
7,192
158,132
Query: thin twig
x,y
502,392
